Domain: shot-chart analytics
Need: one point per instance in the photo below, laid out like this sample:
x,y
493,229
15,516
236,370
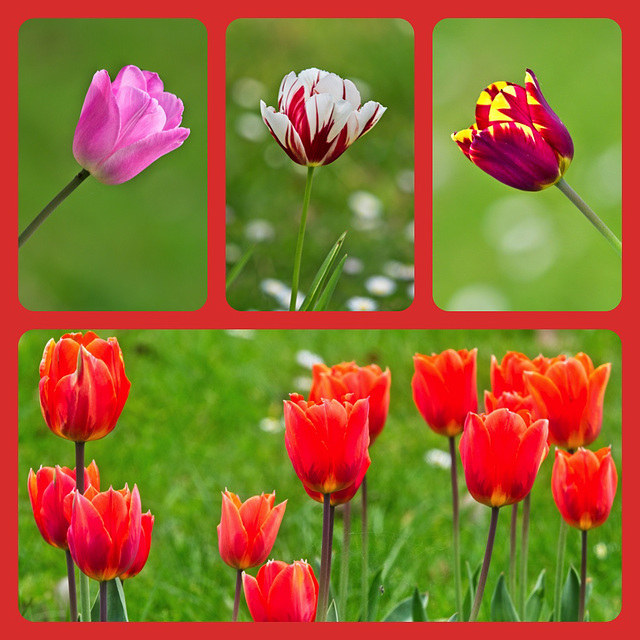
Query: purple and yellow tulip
x,y
517,138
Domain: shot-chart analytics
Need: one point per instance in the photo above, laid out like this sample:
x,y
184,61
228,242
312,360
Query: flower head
x,y
327,442
105,532
363,382
319,116
584,485
444,389
516,137
247,530
50,492
570,394
501,453
282,592
127,124
83,386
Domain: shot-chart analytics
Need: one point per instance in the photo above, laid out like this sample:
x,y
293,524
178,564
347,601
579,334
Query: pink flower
x,y
127,124
319,116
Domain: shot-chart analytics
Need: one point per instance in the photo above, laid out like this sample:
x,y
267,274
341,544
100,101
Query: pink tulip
x,y
127,124
319,116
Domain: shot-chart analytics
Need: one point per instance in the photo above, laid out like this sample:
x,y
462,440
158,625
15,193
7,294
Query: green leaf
x,y
325,298
502,609
238,267
533,606
403,611
374,596
116,604
322,276
418,609
471,592
570,597
332,612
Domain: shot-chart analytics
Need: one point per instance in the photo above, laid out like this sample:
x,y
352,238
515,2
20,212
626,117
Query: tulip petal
x,y
254,597
140,116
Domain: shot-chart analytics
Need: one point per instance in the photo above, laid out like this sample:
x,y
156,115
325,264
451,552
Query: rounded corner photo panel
x,y
527,199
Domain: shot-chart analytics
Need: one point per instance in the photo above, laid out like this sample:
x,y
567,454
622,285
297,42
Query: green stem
x,y
325,559
364,583
298,257
583,578
482,580
608,235
456,526
83,580
71,582
513,549
103,601
557,595
236,600
524,554
344,564
52,206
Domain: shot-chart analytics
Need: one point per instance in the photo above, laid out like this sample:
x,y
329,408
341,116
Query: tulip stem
x,y
609,236
83,580
583,578
344,564
484,572
364,585
298,257
71,581
52,206
80,467
456,526
236,600
513,537
557,596
524,553
325,558
103,601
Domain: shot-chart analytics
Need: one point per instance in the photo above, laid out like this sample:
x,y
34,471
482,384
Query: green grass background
x,y
191,427
136,246
498,248
264,184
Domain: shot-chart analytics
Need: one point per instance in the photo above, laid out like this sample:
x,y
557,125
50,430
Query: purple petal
x,y
140,116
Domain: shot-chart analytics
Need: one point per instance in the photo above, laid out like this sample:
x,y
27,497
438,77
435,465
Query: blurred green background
x,y
205,413
497,248
368,191
140,245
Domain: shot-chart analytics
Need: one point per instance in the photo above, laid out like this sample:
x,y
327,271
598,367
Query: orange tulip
x,y
282,592
501,453
570,394
105,532
444,389
146,524
49,488
327,442
247,530
370,382
83,386
584,485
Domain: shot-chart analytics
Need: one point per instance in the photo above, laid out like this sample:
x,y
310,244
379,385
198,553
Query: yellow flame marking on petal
x,y
495,113
485,98
510,89
462,136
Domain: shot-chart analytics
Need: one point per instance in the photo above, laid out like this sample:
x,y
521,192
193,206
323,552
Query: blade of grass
x,y
238,267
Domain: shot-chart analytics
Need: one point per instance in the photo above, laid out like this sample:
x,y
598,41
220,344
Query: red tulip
x,y
247,531
444,389
584,485
105,532
49,488
327,442
370,382
508,387
282,592
501,453
570,394
83,386
146,522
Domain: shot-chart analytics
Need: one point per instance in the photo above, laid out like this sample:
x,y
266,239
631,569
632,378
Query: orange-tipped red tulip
x,y
49,489
501,453
105,532
363,382
282,592
146,524
570,394
327,442
584,485
83,386
248,530
444,389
